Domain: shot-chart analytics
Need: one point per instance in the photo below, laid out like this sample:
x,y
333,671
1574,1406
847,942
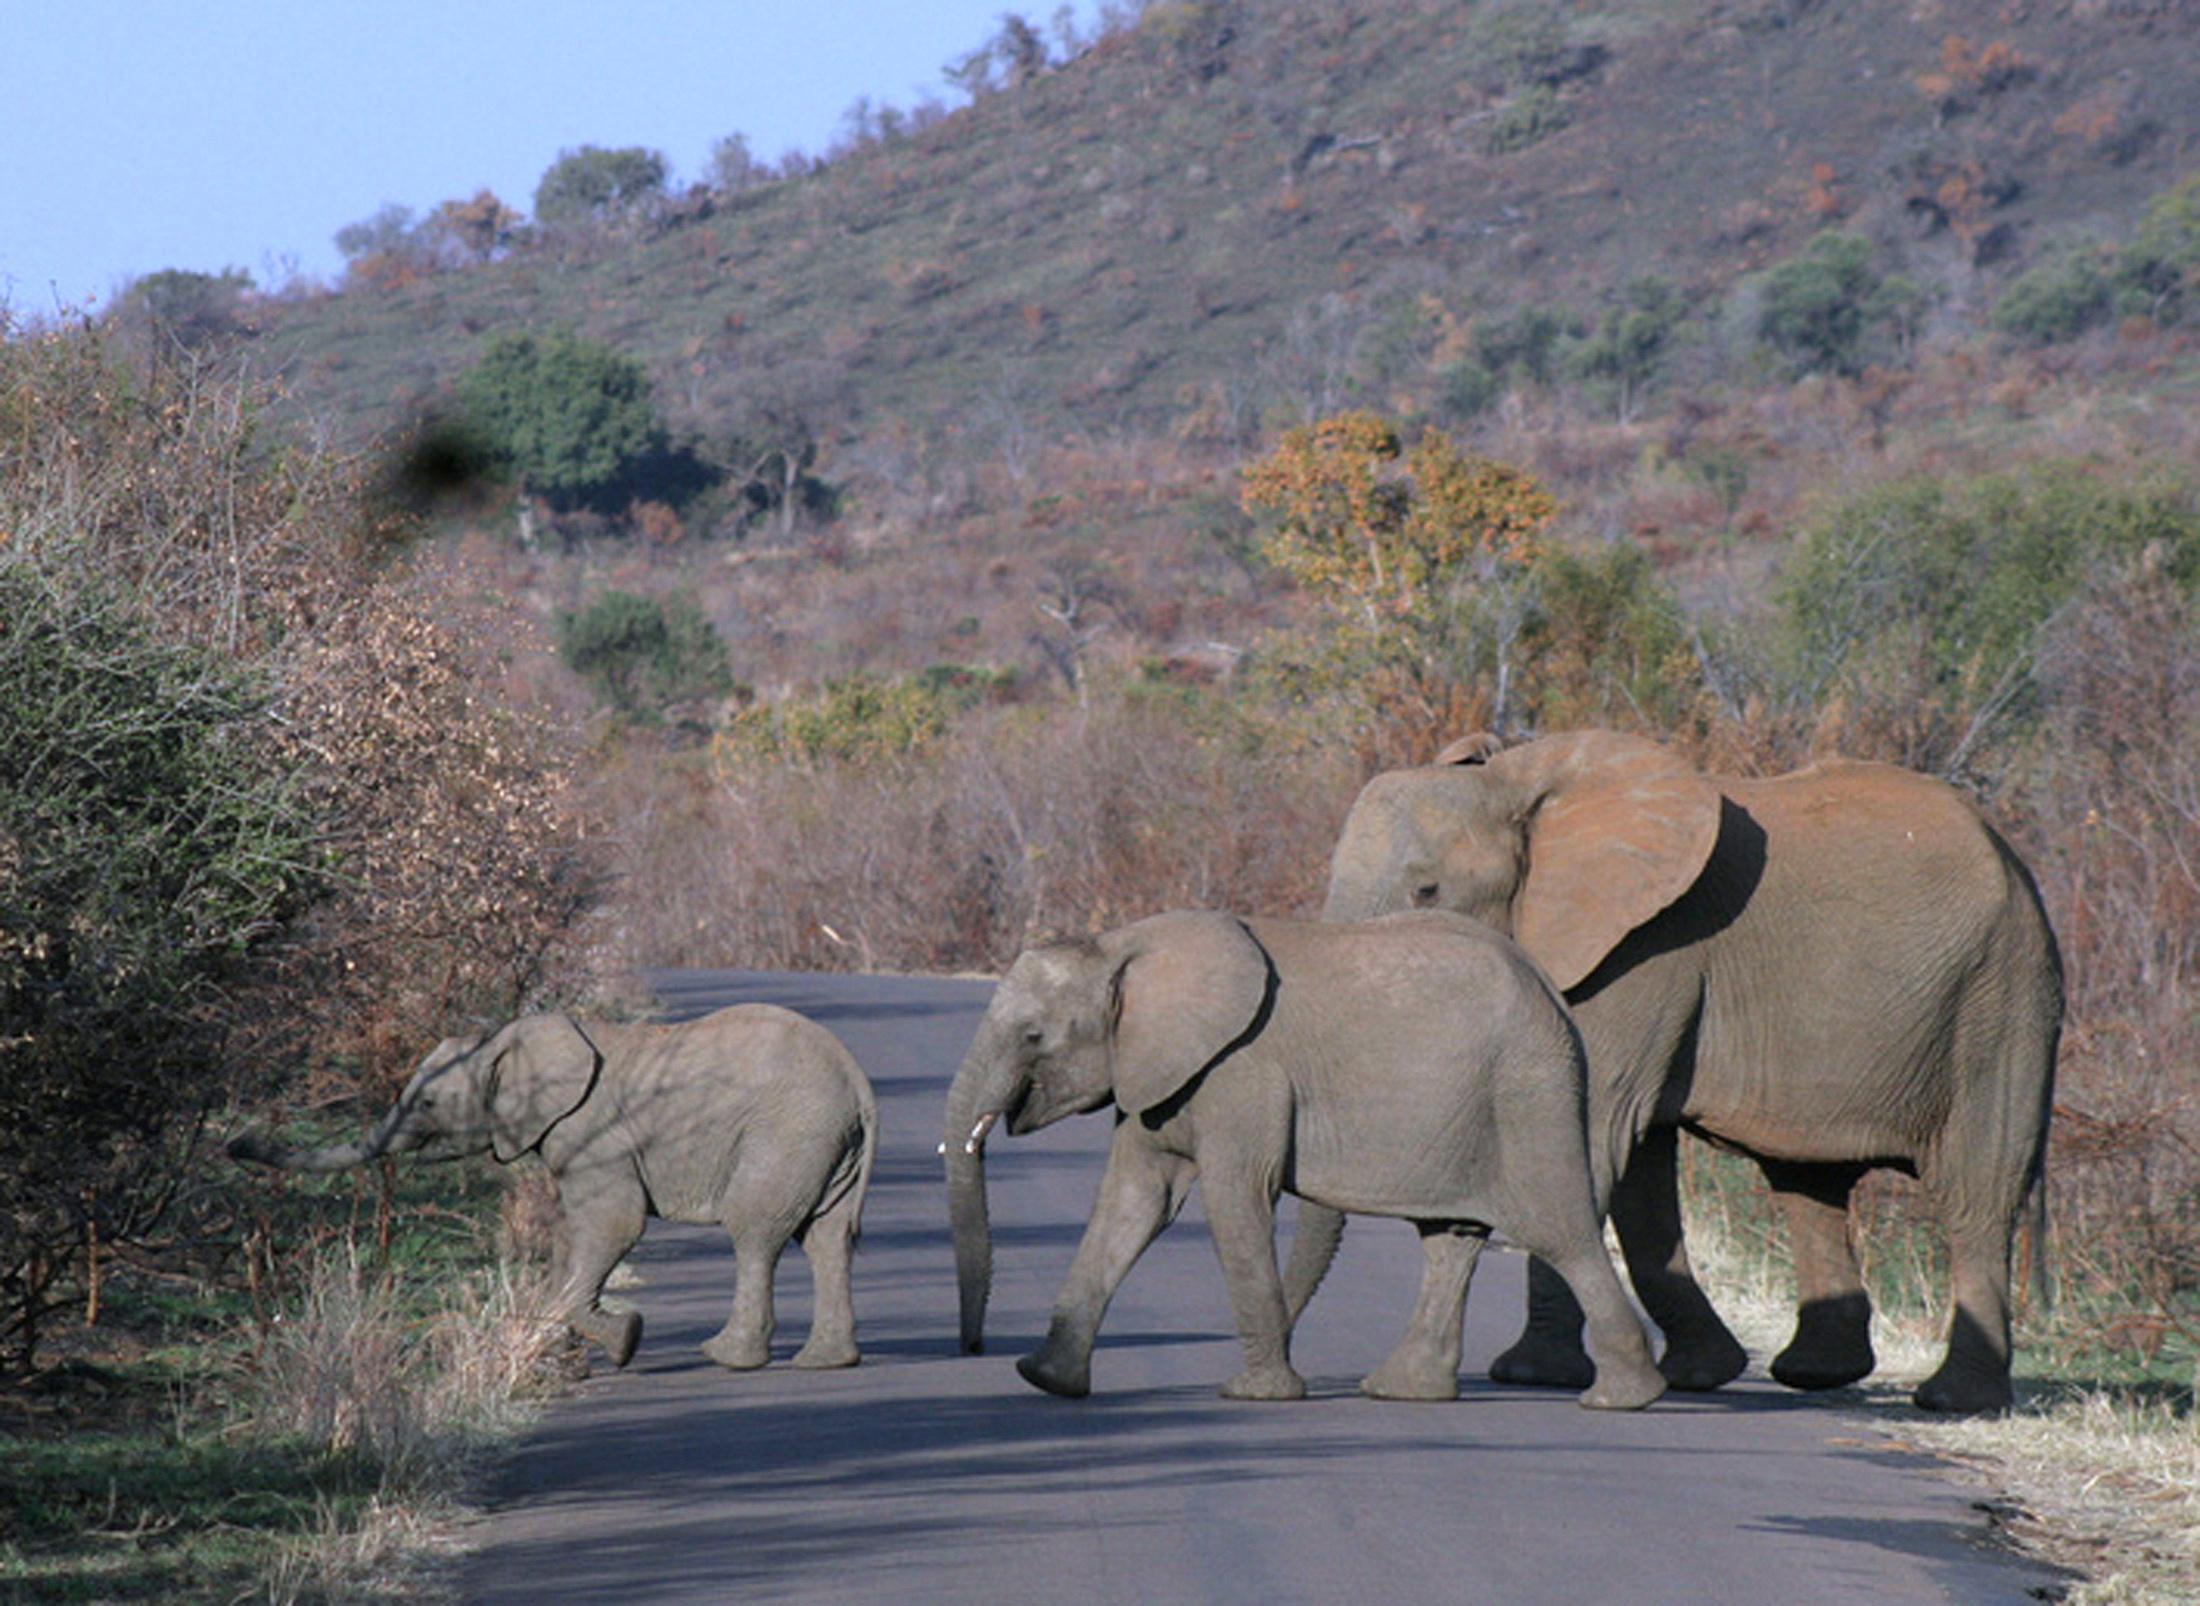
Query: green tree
x,y
568,418
151,845
1523,343
1623,352
594,185
2055,300
643,656
1817,304
178,306
2158,274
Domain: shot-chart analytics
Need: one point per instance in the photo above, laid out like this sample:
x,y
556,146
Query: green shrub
x,y
1524,341
570,419
1817,303
643,656
1622,354
152,844
858,719
1467,388
1938,589
2056,300
1521,44
593,185
1606,641
2158,274
1535,113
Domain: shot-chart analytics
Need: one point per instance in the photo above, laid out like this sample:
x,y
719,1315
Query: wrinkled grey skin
x,y
1418,1067
753,1117
1831,970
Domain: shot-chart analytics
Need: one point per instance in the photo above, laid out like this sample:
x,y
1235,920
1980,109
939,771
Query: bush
x,y
1534,114
1524,342
643,656
176,306
570,419
594,185
152,844
2158,274
2054,301
1817,303
856,720
1927,598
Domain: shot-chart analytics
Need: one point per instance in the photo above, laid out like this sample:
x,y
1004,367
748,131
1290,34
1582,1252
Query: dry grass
x,y
419,1398
2099,1477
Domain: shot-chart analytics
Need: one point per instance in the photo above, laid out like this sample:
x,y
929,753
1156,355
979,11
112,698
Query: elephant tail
x,y
867,1115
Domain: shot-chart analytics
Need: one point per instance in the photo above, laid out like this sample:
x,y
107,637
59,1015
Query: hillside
x,y
1253,209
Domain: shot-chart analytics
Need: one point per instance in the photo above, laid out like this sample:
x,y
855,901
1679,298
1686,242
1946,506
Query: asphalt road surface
x,y
926,1475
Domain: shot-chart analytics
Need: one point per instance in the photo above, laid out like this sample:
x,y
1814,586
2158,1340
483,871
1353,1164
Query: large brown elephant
x,y
1829,971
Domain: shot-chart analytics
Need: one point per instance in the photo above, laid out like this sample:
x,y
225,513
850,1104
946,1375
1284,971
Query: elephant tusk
x,y
975,1143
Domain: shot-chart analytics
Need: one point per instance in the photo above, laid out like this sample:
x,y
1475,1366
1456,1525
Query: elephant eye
x,y
1034,1036
1425,895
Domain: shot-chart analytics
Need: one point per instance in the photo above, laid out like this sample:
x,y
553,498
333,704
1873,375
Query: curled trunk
x,y
981,1090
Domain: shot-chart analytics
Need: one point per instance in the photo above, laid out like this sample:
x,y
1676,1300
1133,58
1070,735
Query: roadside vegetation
x,y
800,570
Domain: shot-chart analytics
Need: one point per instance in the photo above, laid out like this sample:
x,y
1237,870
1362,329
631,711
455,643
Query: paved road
x,y
924,1475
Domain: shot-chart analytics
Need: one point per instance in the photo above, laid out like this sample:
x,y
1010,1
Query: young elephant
x,y
753,1117
1416,1066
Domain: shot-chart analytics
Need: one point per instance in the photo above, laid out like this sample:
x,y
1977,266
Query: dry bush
x,y
2114,827
1021,821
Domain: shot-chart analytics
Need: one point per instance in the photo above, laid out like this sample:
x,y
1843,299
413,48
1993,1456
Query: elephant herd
x,y
1537,965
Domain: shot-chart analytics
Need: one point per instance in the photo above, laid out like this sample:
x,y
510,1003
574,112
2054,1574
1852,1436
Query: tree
x,y
1629,340
594,185
2159,272
389,231
1816,304
475,230
642,656
734,167
1363,521
180,307
567,417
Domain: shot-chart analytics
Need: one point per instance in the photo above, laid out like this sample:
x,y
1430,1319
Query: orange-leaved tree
x,y
1367,523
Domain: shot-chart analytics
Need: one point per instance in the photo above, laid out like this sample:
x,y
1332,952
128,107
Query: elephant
x,y
754,1117
1266,1056
1829,971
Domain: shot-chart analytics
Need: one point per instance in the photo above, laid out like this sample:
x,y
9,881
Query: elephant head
x,y
1565,844
502,1093
1134,1017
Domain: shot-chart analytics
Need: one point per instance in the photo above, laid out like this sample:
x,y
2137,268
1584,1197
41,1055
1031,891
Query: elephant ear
x,y
1619,828
1187,987
540,1073
1476,747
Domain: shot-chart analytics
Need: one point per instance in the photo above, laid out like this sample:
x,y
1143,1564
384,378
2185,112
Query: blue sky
x,y
145,134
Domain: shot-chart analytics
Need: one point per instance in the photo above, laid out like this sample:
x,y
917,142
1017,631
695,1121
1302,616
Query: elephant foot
x,y
1412,1377
1698,1368
739,1352
1042,1371
1265,1383
822,1355
619,1332
1624,1388
1538,1363
1965,1391
1819,1368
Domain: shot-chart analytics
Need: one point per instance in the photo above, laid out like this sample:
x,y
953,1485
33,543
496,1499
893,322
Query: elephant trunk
x,y
384,1139
984,1087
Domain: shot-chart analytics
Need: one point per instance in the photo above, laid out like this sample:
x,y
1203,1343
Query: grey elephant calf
x,y
1417,1066
753,1117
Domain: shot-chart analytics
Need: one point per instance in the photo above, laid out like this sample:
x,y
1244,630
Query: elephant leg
x,y
1140,1193
1313,1247
1832,1345
745,1342
829,1243
598,1231
1974,1375
1425,1365
1700,1353
1548,1353
1241,1216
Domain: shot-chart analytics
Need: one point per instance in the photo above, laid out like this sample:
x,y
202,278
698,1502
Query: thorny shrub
x,y
438,870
